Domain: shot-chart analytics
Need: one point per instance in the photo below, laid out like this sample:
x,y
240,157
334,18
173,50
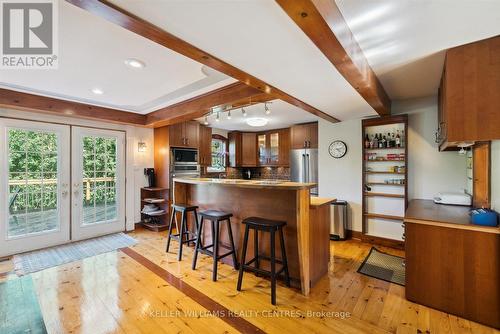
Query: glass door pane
x,y
99,179
261,142
33,182
274,148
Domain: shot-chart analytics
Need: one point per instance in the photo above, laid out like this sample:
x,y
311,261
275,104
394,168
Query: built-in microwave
x,y
181,156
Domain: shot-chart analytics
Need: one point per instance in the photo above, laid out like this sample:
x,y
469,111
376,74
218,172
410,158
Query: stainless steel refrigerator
x,y
304,166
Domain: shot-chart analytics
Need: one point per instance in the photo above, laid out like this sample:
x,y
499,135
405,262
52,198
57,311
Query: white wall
x,y
495,175
221,132
135,161
430,171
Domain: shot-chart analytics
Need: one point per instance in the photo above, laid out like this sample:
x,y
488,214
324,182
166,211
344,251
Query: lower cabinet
x,y
455,270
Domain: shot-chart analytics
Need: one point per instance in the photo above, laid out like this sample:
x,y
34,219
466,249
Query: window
x,y
218,155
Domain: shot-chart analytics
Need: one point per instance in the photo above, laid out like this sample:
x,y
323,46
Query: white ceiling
x,y
404,40
258,37
91,55
282,115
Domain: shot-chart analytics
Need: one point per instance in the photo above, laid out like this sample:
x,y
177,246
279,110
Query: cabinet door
x,y
234,149
273,148
192,132
284,150
299,133
176,134
262,149
205,148
312,135
249,149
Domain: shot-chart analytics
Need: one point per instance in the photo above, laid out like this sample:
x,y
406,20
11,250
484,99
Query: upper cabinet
x,y
469,94
274,148
185,134
205,148
242,149
304,136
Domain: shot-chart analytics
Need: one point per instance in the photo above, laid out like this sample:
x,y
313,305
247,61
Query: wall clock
x,y
337,149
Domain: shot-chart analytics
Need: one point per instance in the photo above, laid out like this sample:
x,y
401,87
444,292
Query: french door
x,y
98,182
58,184
35,185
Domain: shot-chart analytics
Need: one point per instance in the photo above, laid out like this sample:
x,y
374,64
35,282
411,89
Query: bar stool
x,y
265,225
183,209
214,217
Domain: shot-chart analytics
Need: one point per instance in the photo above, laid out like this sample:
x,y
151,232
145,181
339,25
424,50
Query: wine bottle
x,y
398,139
367,141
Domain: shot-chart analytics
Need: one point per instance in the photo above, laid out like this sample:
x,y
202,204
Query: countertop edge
x,y
283,186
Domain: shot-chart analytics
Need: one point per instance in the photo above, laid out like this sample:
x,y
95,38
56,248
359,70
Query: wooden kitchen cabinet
x,y
304,136
185,134
242,149
452,265
248,149
274,148
469,94
205,147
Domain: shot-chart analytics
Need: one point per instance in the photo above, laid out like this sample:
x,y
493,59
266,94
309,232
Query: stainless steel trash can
x,y
338,221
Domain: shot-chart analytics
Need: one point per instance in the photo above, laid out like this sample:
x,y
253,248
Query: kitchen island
x,y
278,200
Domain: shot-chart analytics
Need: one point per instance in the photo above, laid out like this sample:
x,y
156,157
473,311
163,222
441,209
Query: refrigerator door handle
x,y
304,175
308,165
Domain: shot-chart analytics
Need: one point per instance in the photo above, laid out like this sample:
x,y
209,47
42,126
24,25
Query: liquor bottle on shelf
x,y
393,139
384,142
398,139
375,141
367,141
389,142
380,141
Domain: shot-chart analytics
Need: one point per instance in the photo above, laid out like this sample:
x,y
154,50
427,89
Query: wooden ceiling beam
x,y
135,24
233,94
29,102
324,24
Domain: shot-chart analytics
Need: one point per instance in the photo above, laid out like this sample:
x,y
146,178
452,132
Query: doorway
x,y
59,183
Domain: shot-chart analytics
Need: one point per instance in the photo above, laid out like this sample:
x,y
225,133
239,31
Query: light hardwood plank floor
x,y
114,293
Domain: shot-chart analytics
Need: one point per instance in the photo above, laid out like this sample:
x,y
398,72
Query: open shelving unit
x,y
385,189
155,222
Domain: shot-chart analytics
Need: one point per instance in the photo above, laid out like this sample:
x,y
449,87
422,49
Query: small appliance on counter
x,y
453,198
150,173
247,174
484,217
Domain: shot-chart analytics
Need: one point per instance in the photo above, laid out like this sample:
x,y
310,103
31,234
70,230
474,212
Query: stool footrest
x,y
262,271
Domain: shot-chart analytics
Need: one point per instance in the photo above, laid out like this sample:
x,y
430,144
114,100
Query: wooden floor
x,y
116,293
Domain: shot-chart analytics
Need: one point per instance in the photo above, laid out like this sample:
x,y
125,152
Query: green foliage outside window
x,y
218,154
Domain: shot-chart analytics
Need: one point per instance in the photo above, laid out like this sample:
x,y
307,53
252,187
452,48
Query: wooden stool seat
x,y
215,217
263,223
184,207
271,226
214,214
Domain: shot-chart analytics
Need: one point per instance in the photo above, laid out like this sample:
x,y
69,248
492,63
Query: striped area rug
x,y
54,256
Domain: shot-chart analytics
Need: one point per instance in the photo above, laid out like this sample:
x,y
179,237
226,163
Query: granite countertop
x,y
272,184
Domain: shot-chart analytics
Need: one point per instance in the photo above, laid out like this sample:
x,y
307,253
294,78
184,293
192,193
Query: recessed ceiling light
x,y
257,121
97,91
134,63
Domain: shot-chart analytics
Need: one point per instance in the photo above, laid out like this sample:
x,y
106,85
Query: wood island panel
x,y
290,204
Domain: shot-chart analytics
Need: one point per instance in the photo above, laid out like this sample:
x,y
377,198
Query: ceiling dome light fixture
x,y
244,112
97,91
257,122
134,63
266,108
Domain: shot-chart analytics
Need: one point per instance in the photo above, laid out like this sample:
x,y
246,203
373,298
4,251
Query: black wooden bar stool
x,y
214,217
184,231
265,225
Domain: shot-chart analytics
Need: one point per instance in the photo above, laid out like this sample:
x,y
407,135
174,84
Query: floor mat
x,y
383,266
19,308
50,257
